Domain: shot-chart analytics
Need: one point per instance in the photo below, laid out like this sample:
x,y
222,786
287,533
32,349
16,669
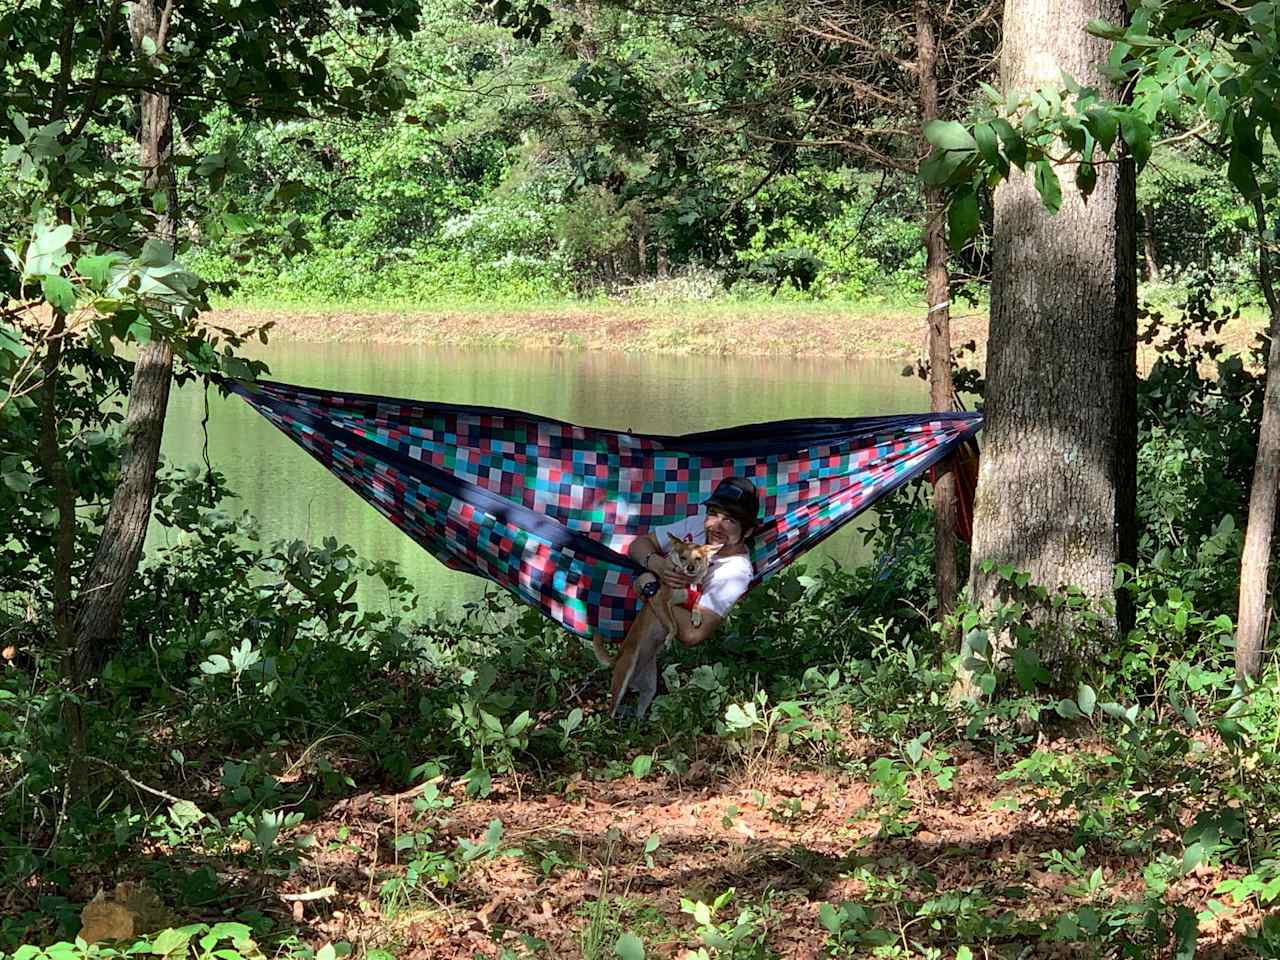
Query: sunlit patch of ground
x,y
786,841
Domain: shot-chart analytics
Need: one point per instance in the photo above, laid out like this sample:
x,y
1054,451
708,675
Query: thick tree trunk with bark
x,y
1255,563
938,317
1056,488
116,559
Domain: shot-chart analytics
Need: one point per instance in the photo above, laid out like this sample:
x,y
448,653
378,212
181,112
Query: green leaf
x,y
641,765
18,482
915,749
11,343
171,941
184,813
989,147
962,217
949,135
941,167
59,293
155,253
1240,172
1086,699
1105,30
1137,136
1015,148
1047,185
519,724
231,930
629,947
1186,929
1086,178
736,718
1068,709
1104,128
98,270
830,918
237,222
47,252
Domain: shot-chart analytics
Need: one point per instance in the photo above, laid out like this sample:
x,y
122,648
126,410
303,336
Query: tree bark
x,y
124,531
1255,562
53,463
938,318
1056,487
1149,243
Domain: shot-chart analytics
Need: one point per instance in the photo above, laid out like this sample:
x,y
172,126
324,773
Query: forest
x,y
1046,728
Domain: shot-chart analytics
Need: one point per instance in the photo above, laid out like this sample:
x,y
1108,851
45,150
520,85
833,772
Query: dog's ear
x,y
675,541
711,549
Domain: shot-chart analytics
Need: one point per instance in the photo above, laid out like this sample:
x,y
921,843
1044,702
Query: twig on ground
x,y
135,783
324,893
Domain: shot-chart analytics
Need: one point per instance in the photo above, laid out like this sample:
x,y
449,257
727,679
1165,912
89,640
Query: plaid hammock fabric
x,y
546,509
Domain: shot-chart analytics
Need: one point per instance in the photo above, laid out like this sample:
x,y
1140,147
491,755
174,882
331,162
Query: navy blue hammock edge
x,y
546,509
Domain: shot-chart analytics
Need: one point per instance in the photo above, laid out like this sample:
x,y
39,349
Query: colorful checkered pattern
x,y
546,509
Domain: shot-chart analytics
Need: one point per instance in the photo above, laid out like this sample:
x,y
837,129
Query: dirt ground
x,y
719,330
790,330
788,839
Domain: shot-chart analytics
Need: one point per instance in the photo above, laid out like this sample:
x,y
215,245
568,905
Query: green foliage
x,y
197,941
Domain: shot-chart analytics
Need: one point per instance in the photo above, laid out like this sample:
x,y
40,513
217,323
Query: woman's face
x,y
722,528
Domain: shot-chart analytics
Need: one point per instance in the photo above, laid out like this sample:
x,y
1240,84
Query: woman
x,y
732,514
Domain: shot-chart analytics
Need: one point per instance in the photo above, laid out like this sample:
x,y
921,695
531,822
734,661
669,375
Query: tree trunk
x,y
1149,243
937,286
54,465
1255,562
1056,487
116,559
642,248
664,270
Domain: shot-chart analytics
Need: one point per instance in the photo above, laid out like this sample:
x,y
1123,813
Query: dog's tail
x,y
601,653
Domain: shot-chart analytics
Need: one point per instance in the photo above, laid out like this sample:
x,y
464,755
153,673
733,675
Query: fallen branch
x,y
136,783
324,893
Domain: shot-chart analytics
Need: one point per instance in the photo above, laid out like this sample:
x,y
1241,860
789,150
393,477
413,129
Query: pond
x,y
293,497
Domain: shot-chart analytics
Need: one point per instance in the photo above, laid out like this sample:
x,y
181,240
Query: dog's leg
x,y
645,681
668,617
623,670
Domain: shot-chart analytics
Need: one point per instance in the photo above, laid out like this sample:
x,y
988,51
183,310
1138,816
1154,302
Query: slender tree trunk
x,y
54,466
1149,243
1255,562
937,285
664,270
120,549
1056,487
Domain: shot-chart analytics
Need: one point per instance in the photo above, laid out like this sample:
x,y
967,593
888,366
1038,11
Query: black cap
x,y
737,497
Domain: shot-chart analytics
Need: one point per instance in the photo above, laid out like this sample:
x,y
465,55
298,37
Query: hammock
x,y
546,509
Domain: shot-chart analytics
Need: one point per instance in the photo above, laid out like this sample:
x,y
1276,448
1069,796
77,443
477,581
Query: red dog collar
x,y
692,594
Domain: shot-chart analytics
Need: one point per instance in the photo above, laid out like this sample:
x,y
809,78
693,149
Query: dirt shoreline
x,y
792,331
720,330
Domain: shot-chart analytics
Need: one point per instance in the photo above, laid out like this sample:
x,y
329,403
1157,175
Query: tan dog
x,y
654,627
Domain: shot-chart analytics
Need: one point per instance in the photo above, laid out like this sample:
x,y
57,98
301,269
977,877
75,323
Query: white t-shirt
x,y
727,579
